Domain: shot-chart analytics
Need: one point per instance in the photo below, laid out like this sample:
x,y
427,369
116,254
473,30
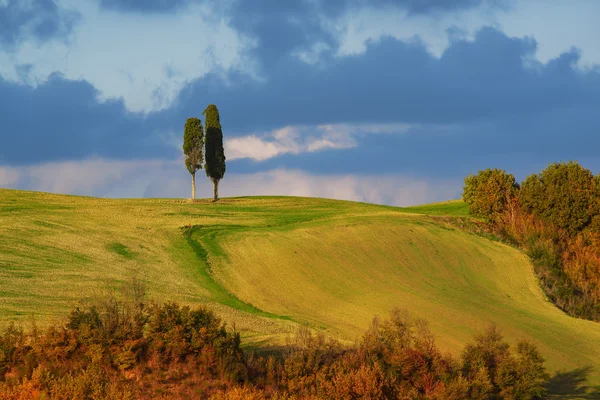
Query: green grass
x,y
269,264
121,249
193,237
451,208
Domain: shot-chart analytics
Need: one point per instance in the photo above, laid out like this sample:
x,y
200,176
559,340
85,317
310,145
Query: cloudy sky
x,y
385,101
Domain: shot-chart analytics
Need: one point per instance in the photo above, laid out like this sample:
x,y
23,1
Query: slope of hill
x,y
268,264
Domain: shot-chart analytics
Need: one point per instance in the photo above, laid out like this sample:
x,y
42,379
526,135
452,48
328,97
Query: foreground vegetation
x,y
268,264
131,351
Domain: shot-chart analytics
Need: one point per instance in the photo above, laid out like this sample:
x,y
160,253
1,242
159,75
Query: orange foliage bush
x,y
167,351
581,261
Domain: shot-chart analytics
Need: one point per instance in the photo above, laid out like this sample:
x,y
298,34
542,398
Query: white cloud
x,y
287,140
8,177
84,176
397,190
300,139
152,178
145,60
303,139
93,177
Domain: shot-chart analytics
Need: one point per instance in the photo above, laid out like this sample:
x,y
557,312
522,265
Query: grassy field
x,y
268,264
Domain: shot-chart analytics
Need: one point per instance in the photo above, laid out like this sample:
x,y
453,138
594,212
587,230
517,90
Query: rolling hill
x,y
268,264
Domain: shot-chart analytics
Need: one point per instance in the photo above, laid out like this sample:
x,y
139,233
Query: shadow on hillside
x,y
572,385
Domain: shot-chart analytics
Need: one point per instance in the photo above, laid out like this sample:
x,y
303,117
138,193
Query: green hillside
x,y
268,264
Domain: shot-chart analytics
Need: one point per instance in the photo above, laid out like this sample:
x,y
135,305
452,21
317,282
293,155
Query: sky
x,y
384,101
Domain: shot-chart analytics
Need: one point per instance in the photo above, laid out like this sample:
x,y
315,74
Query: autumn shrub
x,y
397,358
12,341
166,351
111,353
309,361
581,260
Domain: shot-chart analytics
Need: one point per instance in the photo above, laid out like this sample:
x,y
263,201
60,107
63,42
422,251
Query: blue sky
x,y
386,101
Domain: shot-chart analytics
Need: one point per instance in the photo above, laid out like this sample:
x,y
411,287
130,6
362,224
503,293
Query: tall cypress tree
x,y
193,141
215,154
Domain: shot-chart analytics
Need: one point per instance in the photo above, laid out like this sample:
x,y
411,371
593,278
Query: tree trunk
x,y
193,186
216,189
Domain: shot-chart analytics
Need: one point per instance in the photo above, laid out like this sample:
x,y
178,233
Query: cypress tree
x,y
193,141
215,153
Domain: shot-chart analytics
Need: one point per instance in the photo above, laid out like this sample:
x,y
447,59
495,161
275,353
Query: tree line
x,y
555,217
132,350
199,148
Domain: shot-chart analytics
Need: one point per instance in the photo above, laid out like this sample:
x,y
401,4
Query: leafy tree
x,y
496,373
215,154
563,194
488,351
523,377
489,192
193,141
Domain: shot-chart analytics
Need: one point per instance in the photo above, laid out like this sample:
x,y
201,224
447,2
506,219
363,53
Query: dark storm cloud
x,y
520,144
281,27
477,106
62,120
499,107
40,19
398,81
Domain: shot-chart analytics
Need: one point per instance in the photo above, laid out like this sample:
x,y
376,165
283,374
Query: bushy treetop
x,y
193,138
564,194
489,192
211,117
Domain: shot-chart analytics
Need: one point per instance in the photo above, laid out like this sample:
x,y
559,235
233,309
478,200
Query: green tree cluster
x,y
565,195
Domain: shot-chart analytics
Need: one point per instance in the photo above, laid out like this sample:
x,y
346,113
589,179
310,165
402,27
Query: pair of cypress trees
x,y
197,146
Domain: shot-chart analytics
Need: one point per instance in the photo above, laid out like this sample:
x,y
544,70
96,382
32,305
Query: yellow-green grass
x,y
451,208
268,264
